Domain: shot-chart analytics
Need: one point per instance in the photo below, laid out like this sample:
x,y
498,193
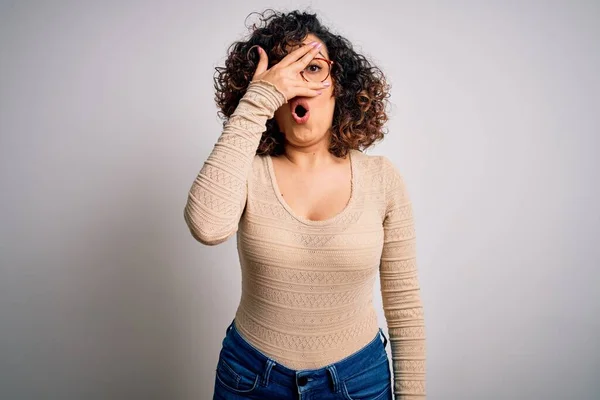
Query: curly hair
x,y
360,88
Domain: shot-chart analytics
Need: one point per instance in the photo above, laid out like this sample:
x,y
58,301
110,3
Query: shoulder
x,y
368,162
391,174
382,169
394,185
387,165
379,169
258,162
258,170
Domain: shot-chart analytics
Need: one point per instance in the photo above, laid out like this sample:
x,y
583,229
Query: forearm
x,y
217,196
400,290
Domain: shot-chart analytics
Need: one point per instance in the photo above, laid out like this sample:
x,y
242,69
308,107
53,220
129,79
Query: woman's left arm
x,y
400,289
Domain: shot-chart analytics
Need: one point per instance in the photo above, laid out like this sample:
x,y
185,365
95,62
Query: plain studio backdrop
x,y
107,115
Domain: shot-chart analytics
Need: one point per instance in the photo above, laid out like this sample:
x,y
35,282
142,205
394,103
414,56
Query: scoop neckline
x,y
304,220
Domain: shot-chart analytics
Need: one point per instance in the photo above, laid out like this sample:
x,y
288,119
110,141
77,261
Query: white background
x,y
106,117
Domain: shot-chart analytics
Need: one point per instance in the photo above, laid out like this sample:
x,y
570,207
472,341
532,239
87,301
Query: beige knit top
x,y
307,286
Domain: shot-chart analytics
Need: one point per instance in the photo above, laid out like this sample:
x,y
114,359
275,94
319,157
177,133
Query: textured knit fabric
x,y
307,286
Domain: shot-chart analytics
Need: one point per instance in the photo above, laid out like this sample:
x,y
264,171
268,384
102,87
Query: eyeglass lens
x,y
317,70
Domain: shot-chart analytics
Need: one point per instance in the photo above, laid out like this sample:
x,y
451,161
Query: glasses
x,y
317,70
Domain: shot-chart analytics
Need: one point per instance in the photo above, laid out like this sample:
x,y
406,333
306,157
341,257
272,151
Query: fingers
x,y
309,89
316,85
296,54
263,62
305,92
303,62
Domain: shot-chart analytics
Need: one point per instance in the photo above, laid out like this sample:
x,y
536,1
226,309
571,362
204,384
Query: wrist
x,y
269,89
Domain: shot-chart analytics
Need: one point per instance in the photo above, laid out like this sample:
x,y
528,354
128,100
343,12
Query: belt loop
x,y
267,373
334,378
384,338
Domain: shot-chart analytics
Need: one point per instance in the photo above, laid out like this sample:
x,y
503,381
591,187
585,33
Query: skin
x,y
315,183
307,143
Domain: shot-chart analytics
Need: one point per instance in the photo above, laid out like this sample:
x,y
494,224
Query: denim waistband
x,y
269,369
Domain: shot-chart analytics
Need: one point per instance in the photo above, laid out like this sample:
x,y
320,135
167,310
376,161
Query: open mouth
x,y
300,110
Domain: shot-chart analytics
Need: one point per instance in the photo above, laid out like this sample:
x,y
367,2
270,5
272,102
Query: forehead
x,y
312,38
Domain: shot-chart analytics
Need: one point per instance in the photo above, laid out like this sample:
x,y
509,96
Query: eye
x,y
313,68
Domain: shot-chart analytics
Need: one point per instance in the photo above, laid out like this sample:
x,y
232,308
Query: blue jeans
x,y
244,372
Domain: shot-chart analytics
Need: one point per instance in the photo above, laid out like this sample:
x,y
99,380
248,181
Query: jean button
x,y
302,381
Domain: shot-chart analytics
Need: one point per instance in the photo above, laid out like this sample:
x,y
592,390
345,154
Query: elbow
x,y
210,239
205,232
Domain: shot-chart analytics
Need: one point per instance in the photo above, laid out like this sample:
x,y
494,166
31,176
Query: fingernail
x,y
326,84
319,91
319,45
315,44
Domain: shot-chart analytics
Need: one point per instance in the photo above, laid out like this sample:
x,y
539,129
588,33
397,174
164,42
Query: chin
x,y
304,134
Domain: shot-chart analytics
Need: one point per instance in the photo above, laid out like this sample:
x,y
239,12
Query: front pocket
x,y
371,384
235,377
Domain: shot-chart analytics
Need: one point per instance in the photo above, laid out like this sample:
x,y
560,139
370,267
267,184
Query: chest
x,y
314,196
332,221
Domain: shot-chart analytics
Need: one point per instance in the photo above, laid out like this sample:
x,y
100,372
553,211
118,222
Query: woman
x,y
316,221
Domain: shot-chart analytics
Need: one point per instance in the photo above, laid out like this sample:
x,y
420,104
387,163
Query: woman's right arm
x,y
217,197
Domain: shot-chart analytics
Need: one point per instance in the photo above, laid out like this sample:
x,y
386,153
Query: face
x,y
316,128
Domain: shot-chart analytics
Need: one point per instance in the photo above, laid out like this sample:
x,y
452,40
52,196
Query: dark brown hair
x,y
360,88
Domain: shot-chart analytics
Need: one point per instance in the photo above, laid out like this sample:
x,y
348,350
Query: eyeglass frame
x,y
329,62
